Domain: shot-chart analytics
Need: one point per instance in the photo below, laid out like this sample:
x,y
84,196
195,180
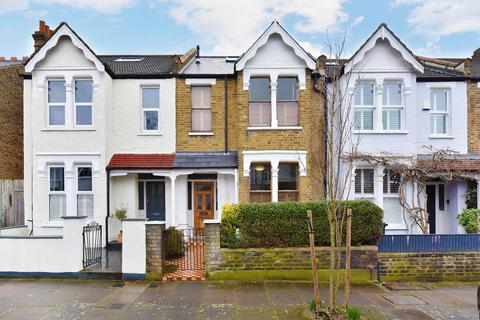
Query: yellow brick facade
x,y
309,138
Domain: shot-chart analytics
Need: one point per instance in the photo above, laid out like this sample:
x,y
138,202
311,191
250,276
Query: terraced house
x,y
167,137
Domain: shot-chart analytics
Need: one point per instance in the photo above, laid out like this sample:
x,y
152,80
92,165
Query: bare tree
x,y
412,174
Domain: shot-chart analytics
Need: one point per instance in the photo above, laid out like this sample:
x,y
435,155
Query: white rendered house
x,y
399,105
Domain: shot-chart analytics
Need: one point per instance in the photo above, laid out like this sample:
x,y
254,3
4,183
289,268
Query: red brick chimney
x,y
41,35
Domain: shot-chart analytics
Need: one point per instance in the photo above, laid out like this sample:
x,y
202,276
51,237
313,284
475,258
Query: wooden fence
x,y
11,203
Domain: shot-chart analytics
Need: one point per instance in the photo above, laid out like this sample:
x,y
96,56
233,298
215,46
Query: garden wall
x,y
424,266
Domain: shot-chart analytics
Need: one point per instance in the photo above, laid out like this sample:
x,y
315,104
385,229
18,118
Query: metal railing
x,y
430,243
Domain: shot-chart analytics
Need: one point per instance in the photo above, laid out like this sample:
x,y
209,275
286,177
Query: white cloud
x,y
357,21
436,19
12,5
102,6
229,27
314,49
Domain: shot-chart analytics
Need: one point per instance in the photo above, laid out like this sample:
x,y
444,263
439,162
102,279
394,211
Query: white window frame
x,y
362,194
364,108
390,107
433,113
78,192
143,110
80,104
297,99
203,109
56,193
388,194
56,104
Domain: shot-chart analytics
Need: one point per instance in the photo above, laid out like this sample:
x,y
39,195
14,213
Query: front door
x,y
155,200
431,207
204,202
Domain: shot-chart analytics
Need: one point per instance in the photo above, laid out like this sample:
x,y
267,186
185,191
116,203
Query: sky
x,y
436,28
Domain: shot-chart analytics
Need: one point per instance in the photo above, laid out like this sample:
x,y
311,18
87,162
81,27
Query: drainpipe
x,y
108,208
325,124
225,99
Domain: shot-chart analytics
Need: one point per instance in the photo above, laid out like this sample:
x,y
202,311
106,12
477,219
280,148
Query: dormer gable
x,y
383,50
64,41
263,48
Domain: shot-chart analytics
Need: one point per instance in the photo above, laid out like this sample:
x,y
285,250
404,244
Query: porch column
x,y
378,185
274,181
173,177
235,188
273,98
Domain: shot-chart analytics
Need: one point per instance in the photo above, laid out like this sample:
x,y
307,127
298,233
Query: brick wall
x,y
154,257
11,122
309,138
473,98
286,258
460,266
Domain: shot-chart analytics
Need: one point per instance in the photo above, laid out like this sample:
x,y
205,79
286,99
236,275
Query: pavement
x,y
95,299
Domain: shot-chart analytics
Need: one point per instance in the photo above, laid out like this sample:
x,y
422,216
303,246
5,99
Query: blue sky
x,y
438,28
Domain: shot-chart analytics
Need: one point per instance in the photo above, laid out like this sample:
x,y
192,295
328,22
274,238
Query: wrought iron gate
x,y
183,249
92,244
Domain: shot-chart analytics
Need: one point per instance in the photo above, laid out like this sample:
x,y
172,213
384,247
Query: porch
x,y
182,189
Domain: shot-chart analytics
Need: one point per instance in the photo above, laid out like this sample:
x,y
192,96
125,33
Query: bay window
x,y
83,102
57,99
201,109
392,105
260,182
363,103
287,102
84,192
288,182
56,197
150,108
439,111
259,110
364,183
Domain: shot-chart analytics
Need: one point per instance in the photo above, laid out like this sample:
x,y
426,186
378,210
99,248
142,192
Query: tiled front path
x,y
45,299
189,267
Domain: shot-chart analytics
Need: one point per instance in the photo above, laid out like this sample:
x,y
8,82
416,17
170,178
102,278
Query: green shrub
x,y
173,243
284,224
468,219
354,314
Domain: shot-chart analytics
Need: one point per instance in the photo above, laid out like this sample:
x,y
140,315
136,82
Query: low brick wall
x,y
286,258
439,266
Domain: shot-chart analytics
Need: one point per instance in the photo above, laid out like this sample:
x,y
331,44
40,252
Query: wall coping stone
x,y
353,248
211,221
154,222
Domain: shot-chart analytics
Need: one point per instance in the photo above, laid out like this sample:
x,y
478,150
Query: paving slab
x,y
403,299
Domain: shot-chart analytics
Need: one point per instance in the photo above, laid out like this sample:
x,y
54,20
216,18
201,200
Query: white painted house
x,y
400,104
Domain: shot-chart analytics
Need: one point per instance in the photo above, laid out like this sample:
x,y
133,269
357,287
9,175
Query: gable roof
x,y
383,32
63,29
275,27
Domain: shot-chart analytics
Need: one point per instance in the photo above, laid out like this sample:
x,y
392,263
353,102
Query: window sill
x,y
52,224
380,132
69,129
156,133
441,136
200,133
297,128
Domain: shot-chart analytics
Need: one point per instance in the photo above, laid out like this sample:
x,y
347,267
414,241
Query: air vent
x,y
129,59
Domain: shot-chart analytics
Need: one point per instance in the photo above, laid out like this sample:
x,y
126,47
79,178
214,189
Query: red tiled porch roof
x,y
141,161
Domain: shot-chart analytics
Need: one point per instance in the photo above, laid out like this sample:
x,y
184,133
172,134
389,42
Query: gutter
x,y
108,207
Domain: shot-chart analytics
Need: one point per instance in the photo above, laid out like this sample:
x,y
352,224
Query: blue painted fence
x,y
430,243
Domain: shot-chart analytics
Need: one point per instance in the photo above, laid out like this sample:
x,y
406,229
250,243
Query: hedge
x,y
284,224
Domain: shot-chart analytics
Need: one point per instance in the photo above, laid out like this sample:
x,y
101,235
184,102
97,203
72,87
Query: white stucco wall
x,y
127,135
68,146
133,247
